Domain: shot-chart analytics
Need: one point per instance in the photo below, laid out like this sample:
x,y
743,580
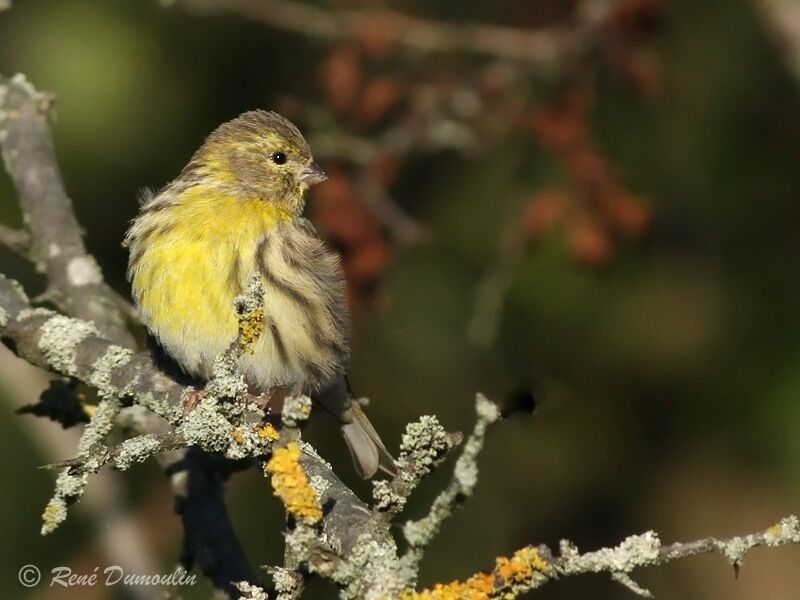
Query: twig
x,y
542,47
77,285
16,240
531,567
403,228
424,446
122,456
494,285
465,477
116,528
71,346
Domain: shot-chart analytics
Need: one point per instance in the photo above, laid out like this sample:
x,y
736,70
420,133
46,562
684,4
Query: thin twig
x,y
117,529
16,240
465,476
542,47
494,285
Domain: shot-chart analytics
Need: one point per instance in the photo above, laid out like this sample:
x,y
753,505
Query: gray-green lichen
x,y
101,423
286,583
206,427
59,340
320,484
15,285
385,498
423,445
466,470
104,367
83,270
136,450
311,451
373,570
635,551
734,549
465,476
253,297
29,313
488,411
227,380
3,317
20,81
250,591
69,487
296,409
54,514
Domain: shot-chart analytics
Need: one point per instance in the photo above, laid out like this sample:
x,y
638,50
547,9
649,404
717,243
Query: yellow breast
x,y
190,260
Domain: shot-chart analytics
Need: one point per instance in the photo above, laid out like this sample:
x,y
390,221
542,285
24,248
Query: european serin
x,y
236,209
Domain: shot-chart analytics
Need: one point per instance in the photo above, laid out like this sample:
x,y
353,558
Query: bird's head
x,y
258,154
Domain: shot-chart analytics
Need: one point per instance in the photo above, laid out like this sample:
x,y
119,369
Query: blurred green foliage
x,y
669,379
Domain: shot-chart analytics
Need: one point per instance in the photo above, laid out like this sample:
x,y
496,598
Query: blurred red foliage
x,y
372,94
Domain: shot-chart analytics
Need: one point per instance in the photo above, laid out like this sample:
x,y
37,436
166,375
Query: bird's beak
x,y
313,174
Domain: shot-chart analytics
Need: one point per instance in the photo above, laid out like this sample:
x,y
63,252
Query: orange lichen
x,y
520,567
251,325
291,485
237,435
776,529
268,431
53,515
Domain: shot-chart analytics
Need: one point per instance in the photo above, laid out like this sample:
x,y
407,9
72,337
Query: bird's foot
x,y
192,399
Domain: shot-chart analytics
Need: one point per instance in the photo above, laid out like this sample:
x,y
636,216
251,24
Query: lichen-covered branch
x,y
465,477
201,436
56,244
424,446
531,568
333,534
52,240
73,347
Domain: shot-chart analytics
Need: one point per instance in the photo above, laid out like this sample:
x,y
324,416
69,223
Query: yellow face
x,y
259,154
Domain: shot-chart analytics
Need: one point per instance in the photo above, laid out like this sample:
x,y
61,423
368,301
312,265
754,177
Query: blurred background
x,y
595,201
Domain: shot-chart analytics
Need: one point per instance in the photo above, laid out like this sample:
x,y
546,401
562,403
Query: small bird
x,y
236,209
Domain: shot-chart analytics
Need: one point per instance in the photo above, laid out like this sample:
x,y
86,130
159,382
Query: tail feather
x,y
366,448
365,445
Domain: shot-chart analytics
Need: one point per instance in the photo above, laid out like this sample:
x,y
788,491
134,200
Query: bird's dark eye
x,y
279,158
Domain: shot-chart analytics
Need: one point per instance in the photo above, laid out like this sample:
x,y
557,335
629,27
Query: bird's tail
x,y
365,445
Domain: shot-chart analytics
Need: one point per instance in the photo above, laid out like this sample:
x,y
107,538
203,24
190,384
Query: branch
x,y
116,528
54,243
782,18
541,47
530,568
73,347
494,285
465,476
16,240
333,534
74,278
